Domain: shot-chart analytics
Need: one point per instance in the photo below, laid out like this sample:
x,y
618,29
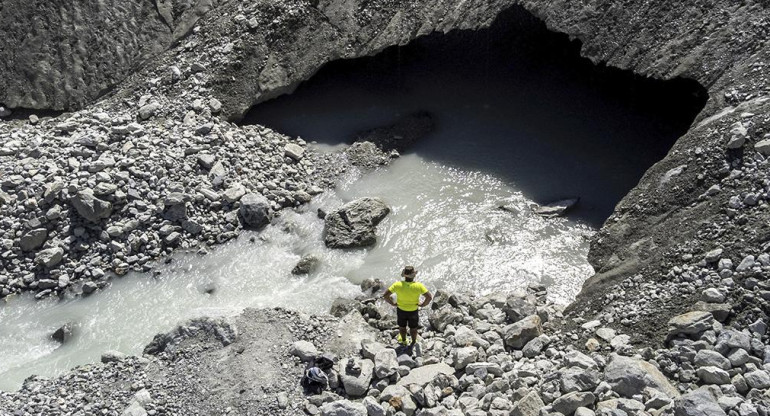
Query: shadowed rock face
x,y
61,55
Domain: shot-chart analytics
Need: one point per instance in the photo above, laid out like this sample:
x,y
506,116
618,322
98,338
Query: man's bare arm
x,y
428,297
388,296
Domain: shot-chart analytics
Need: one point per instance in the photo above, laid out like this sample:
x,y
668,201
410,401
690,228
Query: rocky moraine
x,y
147,160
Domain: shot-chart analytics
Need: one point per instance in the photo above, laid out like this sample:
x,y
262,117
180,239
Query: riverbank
x,y
497,354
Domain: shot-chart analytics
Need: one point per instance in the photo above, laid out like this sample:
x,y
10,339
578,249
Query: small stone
x,y
148,110
50,257
763,147
215,105
294,151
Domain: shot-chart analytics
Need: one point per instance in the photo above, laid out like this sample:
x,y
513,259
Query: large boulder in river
x,y
90,207
353,224
254,211
63,334
629,377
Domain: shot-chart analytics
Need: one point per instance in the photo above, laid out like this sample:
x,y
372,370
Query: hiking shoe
x,y
401,341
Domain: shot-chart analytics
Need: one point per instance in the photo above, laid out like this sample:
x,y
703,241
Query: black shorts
x,y
411,318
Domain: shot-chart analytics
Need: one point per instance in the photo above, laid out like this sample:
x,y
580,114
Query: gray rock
x,y
343,306
50,257
112,356
307,264
557,208
254,211
143,397
206,160
370,348
738,134
305,350
465,336
578,379
758,379
89,287
464,356
134,409
578,359
353,225
697,403
713,255
519,307
343,408
373,408
712,295
446,315
175,207
520,333
713,375
529,405
568,403
425,374
763,147
385,363
64,333
734,339
690,323
33,239
707,358
89,207
148,110
215,105
584,411
356,378
234,193
294,151
629,376
535,347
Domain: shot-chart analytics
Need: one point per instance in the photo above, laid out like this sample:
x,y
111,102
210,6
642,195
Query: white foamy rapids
x,y
445,221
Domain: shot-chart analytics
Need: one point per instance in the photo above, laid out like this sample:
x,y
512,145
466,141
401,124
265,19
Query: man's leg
x,y
401,320
414,323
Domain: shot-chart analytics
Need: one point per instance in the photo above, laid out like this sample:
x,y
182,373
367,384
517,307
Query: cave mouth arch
x,y
514,99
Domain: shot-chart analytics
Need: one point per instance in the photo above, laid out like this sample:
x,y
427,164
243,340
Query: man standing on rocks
x,y
408,294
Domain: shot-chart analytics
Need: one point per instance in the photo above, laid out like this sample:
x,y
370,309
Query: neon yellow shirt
x,y
408,294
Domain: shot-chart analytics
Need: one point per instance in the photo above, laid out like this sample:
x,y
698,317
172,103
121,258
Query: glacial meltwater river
x,y
513,126
445,221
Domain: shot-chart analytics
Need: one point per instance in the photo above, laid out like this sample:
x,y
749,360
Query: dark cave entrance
x,y
515,100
